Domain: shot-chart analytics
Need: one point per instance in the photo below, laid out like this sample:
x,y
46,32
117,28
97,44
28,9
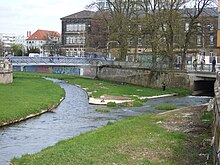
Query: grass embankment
x,y
97,88
139,140
28,94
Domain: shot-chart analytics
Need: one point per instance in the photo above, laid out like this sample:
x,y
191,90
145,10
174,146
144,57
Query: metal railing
x,y
84,61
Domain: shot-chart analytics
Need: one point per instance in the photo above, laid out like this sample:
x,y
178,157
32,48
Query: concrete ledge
x,y
101,101
97,101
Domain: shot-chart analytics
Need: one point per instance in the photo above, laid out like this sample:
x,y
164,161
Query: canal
x,y
71,118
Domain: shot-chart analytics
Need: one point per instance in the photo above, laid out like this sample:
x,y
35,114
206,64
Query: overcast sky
x,y
20,16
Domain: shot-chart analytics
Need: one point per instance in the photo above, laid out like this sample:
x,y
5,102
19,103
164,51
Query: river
x,y
71,118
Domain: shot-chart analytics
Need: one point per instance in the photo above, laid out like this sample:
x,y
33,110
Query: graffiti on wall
x,y
85,71
66,70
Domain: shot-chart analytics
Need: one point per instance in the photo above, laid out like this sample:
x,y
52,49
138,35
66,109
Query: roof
x,y
206,12
82,14
43,35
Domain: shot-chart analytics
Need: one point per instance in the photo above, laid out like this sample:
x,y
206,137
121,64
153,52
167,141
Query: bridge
x,y
84,61
201,81
53,61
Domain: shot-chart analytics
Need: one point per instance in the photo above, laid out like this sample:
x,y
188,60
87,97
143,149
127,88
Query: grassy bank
x,y
97,88
28,94
147,139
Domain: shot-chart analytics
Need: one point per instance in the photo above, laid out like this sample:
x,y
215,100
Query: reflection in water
x,y
71,118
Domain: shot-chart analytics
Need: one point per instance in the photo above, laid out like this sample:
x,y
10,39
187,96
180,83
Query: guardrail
x,y
74,61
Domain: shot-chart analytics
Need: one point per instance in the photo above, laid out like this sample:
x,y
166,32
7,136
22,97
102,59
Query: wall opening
x,y
204,88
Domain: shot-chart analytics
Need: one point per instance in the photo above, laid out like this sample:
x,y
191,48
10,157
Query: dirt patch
x,y
110,97
198,133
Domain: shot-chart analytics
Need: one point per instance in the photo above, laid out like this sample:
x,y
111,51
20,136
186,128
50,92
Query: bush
x,y
165,107
137,103
111,104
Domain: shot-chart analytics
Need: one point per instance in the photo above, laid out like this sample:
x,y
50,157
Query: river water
x,y
71,118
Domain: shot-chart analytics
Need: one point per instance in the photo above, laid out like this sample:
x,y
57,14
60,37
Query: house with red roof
x,y
47,42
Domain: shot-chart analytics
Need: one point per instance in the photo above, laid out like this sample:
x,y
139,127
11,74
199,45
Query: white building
x,y
8,40
45,41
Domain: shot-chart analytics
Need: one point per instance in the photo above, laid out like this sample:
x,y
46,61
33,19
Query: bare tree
x,y
193,16
151,23
171,26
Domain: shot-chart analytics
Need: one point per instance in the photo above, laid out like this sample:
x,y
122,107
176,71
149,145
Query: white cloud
x,y
30,15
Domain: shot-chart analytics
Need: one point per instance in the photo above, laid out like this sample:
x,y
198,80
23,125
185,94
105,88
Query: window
x,y
139,27
75,27
211,55
139,41
199,40
186,26
130,42
211,39
211,27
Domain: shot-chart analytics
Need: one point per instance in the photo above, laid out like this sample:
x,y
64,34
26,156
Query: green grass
x,y
132,141
111,104
100,87
28,94
165,107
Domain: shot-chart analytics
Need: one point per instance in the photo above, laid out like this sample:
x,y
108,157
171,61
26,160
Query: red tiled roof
x,y
43,35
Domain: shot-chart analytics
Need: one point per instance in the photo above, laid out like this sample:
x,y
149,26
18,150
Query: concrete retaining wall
x,y
214,105
137,76
145,77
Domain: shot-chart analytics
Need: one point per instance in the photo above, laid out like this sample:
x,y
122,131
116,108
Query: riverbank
x,y
27,97
176,137
31,95
140,140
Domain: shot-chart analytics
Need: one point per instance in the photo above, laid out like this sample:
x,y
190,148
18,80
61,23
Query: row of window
x,y
75,52
199,25
75,27
75,40
198,40
164,28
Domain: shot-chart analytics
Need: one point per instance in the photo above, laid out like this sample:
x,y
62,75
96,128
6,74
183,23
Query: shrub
x,y
137,103
111,104
165,107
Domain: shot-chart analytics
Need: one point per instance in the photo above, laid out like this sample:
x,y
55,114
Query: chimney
x,y
28,33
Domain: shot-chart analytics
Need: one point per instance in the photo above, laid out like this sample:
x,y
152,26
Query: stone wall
x,y
6,74
214,105
144,77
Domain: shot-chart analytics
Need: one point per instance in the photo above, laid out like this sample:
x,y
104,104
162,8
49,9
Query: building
x,y
75,29
8,40
204,41
218,32
80,29
44,42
